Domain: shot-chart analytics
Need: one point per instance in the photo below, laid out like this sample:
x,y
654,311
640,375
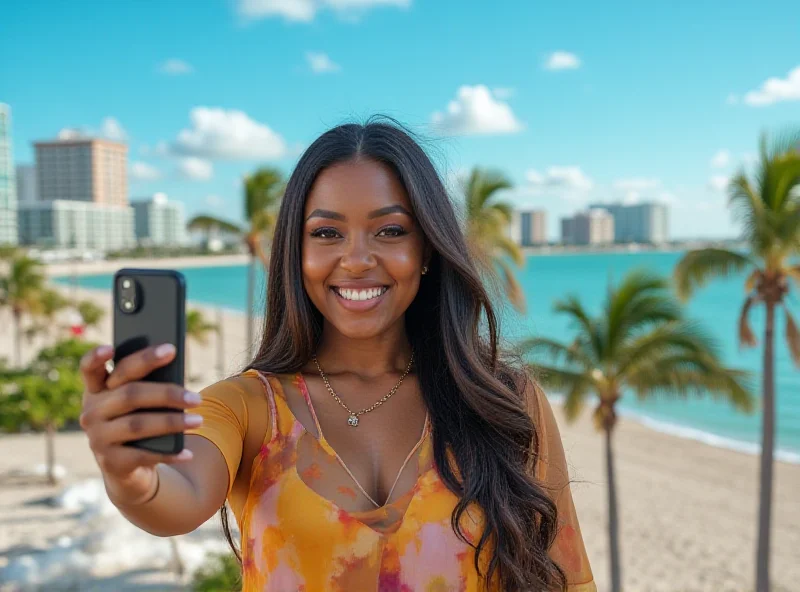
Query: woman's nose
x,y
358,256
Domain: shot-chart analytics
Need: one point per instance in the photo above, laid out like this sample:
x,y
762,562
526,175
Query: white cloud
x,y
636,184
306,10
475,111
110,129
721,159
220,134
215,201
718,182
195,169
776,90
141,171
562,60
633,187
320,63
502,93
565,177
113,130
175,67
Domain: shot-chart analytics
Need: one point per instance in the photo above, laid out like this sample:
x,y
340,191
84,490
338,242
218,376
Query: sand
x,y
688,510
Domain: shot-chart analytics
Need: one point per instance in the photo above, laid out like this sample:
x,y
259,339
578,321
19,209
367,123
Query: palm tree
x,y
263,191
197,329
91,314
207,224
640,342
487,221
50,304
769,207
20,290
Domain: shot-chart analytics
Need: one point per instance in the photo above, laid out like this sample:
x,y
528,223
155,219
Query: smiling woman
x,y
378,440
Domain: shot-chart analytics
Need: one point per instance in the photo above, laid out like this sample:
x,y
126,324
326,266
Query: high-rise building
x,y
26,184
76,224
83,169
8,186
158,221
638,223
594,227
534,227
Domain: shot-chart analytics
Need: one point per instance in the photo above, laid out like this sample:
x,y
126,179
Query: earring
x,y
424,269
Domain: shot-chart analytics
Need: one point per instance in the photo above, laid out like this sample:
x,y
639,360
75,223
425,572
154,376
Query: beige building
x,y
528,227
82,169
595,227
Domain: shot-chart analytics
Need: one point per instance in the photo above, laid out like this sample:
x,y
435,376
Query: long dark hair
x,y
476,401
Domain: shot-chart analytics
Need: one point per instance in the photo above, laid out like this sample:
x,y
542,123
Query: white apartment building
x,y
8,186
158,221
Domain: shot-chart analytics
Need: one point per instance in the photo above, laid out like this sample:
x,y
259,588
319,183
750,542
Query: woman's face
x,y
362,249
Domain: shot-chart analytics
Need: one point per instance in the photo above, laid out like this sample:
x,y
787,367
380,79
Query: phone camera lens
x,y
126,284
128,305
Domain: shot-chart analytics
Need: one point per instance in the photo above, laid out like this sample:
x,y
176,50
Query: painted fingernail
x,y
192,420
164,350
103,351
184,454
192,398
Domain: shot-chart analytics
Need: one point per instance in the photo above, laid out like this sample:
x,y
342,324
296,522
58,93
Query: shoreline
x,y
102,267
662,426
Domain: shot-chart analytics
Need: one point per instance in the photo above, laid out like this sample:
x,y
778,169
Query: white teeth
x,y
368,294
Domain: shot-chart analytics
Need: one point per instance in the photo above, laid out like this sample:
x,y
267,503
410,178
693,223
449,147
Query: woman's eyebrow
x,y
326,214
395,209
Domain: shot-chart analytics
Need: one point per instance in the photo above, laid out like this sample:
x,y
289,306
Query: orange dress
x,y
295,534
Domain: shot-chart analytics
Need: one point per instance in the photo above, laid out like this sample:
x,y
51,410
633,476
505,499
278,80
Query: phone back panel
x,y
159,317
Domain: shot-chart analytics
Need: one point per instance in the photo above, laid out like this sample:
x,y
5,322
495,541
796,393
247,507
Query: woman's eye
x,y
325,232
392,231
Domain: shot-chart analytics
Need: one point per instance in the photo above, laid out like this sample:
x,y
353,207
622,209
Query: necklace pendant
x,y
352,420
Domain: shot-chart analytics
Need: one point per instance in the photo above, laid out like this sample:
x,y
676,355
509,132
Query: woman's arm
x,y
568,550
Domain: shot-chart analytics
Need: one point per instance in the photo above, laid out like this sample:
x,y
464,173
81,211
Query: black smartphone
x,y
150,309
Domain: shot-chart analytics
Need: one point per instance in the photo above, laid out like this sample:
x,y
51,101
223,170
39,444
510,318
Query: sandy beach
x,y
688,510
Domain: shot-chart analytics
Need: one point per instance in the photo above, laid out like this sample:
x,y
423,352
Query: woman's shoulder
x,y
248,387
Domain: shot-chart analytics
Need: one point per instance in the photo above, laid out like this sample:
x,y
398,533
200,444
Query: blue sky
x,y
576,102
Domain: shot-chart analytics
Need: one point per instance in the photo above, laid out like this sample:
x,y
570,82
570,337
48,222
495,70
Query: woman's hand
x,y
108,402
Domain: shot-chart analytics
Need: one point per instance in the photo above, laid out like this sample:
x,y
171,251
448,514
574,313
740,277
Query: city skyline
x,y
563,107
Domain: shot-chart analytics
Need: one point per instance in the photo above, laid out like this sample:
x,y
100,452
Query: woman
x,y
377,441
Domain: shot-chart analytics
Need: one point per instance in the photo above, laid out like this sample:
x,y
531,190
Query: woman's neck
x,y
367,358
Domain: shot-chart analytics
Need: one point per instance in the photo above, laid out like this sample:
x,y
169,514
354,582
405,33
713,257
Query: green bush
x,y
222,573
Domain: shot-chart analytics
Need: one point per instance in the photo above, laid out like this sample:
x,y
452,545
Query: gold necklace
x,y
352,420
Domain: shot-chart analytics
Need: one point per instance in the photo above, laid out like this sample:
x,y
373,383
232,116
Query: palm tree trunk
x,y
50,454
613,519
251,286
767,450
177,560
17,338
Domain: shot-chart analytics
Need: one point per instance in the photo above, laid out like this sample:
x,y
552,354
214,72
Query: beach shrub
x,y
222,573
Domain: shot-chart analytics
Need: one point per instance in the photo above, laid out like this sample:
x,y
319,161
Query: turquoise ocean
x,y
547,278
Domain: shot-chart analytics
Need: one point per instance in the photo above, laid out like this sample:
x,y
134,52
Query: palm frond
x,y
263,190
511,287
692,375
555,351
792,336
206,223
697,268
575,399
752,280
749,209
647,349
482,185
746,336
556,379
641,300
510,249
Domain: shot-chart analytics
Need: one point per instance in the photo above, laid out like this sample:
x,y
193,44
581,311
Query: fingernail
x,y
192,398
184,454
192,420
103,351
164,350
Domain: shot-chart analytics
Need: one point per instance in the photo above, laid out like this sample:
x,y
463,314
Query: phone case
x,y
159,317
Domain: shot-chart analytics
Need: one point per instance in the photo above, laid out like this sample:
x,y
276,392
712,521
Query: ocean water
x,y
548,278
